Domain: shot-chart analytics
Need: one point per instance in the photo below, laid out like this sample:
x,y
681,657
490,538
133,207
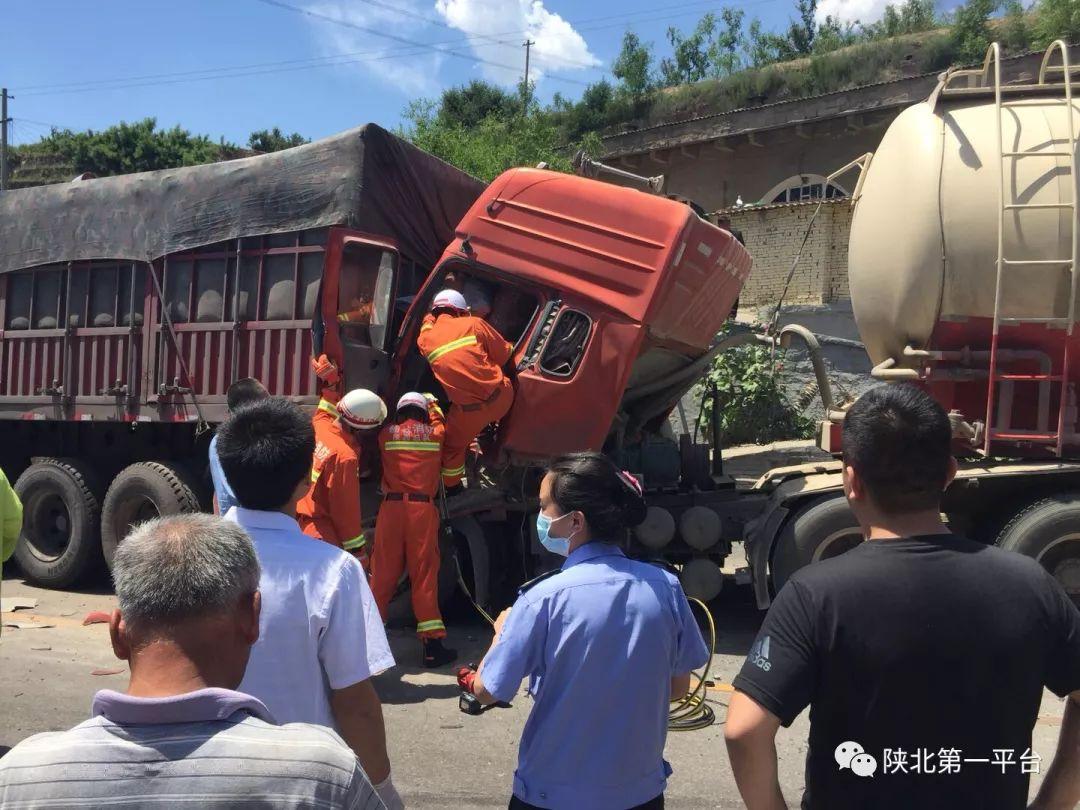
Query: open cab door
x,y
357,307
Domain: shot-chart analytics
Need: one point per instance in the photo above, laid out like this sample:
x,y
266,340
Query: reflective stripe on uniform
x,y
430,447
436,353
455,471
434,624
427,326
355,543
328,407
315,475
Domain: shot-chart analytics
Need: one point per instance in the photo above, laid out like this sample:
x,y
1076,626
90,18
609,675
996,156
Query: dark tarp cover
x,y
365,178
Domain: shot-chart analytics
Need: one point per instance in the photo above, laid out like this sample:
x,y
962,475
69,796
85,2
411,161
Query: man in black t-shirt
x,y
922,655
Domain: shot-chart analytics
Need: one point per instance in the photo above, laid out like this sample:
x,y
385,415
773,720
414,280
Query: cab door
x,y
357,306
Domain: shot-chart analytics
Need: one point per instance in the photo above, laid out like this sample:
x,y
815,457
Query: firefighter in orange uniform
x,y
331,509
466,355
407,528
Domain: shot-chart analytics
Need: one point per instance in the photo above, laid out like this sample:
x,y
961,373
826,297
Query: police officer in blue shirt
x,y
606,643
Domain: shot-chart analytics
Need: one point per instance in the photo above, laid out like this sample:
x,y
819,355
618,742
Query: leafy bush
x,y
489,148
754,407
1056,19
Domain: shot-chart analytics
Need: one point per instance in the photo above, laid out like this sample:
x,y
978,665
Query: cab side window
x,y
566,345
365,293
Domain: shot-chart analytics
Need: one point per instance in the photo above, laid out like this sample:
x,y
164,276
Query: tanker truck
x,y
963,262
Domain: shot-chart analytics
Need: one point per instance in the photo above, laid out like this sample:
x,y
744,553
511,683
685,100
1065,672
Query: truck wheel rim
x,y
837,543
1062,559
131,513
51,524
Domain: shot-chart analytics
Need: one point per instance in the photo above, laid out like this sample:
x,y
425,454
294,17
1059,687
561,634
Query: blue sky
x,y
228,67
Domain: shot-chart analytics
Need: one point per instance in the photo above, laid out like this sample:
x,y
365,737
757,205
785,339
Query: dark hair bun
x,y
633,500
590,483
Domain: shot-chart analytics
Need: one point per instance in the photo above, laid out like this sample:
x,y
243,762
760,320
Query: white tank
x,y
923,245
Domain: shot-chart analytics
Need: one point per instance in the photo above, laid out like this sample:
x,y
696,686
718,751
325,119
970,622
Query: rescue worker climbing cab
x,y
466,355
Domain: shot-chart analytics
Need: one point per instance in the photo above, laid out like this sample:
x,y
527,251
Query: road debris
x,y
27,625
12,603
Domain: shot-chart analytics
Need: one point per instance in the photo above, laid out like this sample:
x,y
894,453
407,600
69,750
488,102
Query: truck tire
x,y
820,529
1048,531
142,492
60,542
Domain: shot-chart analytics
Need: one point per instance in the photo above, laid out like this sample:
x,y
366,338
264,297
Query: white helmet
x,y
412,399
449,299
361,409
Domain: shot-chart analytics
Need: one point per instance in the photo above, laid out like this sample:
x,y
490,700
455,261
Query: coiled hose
x,y
687,713
693,711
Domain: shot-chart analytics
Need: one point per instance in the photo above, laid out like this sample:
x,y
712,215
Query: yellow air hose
x,y
693,711
687,713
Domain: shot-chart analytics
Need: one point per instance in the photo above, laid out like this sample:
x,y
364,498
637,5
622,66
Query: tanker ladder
x,y
991,69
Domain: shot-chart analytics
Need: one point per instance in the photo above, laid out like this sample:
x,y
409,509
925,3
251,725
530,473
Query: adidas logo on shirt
x,y
759,654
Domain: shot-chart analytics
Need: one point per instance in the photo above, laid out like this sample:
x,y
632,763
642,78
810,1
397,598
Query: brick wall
x,y
773,235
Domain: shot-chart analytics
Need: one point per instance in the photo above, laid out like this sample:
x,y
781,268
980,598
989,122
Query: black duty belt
x,y
415,497
475,406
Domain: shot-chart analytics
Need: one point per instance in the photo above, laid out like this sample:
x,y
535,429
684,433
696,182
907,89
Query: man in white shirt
x,y
320,635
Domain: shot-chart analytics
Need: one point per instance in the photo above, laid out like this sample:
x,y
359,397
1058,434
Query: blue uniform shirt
x,y
600,642
225,497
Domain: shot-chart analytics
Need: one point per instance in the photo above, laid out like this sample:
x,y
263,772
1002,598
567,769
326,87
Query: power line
x,y
405,41
291,65
492,38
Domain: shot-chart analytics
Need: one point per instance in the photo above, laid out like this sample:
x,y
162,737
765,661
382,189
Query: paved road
x,y
441,758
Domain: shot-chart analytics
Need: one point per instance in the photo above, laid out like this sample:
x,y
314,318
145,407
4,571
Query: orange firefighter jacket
x,y
331,508
411,454
466,354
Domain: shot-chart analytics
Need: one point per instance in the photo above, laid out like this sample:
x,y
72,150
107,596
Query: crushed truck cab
x,y
602,291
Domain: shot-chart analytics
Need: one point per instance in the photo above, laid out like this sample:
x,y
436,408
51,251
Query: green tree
x,y
764,47
135,147
832,35
726,46
467,106
1056,19
1014,33
490,147
274,140
633,66
801,32
970,30
910,17
711,50
689,60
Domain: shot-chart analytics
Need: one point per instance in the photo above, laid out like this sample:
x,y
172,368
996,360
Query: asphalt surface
x,y
441,757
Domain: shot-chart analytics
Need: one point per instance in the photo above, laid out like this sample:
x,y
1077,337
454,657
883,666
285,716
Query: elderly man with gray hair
x,y
188,616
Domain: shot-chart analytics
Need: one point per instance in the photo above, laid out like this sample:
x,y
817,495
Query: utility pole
x,y
525,91
3,137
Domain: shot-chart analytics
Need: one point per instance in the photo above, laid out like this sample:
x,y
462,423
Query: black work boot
x,y
435,654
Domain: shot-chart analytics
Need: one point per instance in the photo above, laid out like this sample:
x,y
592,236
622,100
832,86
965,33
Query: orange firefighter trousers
x,y
463,425
407,537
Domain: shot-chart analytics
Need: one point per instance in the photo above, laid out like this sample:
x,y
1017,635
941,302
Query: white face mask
x,y
556,545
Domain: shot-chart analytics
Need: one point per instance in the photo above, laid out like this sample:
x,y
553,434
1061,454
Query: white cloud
x,y
414,74
850,11
496,30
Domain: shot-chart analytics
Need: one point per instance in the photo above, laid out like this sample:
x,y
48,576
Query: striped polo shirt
x,y
210,748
